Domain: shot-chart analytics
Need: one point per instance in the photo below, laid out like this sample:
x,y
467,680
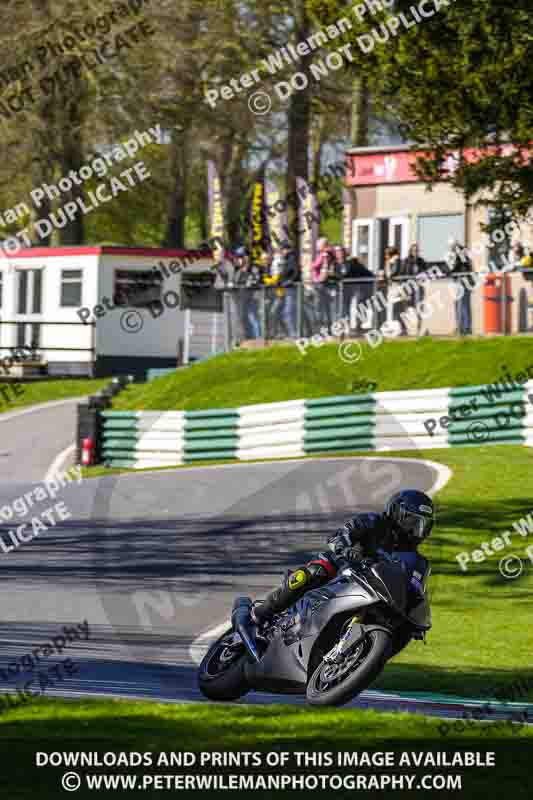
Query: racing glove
x,y
354,554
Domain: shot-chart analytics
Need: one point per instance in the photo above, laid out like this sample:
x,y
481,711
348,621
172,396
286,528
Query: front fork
x,y
337,652
353,635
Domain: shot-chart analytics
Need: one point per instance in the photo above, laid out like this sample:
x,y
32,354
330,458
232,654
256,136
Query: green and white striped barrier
x,y
427,419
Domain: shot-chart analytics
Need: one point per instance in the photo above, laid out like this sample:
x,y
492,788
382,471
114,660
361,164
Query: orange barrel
x,y
497,301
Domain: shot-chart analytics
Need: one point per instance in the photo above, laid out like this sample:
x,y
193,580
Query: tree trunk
x,y
299,120
360,113
72,159
175,234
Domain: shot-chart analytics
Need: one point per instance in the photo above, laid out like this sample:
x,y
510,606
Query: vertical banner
x,y
347,220
308,226
257,222
216,212
275,218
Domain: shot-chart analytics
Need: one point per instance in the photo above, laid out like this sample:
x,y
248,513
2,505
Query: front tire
x,y
221,672
335,684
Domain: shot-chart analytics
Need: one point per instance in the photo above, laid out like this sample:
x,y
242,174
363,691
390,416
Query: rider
x,y
406,521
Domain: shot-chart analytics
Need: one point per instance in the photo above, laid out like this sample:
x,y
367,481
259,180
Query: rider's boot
x,y
295,585
243,624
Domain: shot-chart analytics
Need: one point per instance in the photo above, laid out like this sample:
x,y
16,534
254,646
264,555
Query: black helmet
x,y
412,514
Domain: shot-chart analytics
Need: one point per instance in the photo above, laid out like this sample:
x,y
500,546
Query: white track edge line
x,y
58,462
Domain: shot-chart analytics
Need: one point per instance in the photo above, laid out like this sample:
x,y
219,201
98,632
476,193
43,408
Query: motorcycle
x,y
333,643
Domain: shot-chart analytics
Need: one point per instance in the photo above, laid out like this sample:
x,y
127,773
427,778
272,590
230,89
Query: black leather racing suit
x,y
359,538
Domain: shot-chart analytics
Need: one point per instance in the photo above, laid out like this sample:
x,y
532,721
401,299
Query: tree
x,y
458,80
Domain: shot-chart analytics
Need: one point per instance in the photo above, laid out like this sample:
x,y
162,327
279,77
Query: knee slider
x,y
299,579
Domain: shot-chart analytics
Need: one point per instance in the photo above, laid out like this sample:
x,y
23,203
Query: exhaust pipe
x,y
243,625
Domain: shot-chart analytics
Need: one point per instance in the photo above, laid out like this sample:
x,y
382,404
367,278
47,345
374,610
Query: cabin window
x,y
71,288
137,288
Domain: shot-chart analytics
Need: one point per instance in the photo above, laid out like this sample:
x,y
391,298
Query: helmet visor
x,y
415,525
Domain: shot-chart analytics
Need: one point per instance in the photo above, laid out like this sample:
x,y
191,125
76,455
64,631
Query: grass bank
x,y
104,726
46,391
283,373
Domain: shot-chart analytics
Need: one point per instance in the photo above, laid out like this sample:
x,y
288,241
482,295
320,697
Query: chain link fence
x,y
473,303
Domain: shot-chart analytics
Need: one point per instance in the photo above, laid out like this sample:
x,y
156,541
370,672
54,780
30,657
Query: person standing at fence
x,y
248,280
275,295
226,280
357,283
395,273
332,289
460,266
320,270
290,275
413,265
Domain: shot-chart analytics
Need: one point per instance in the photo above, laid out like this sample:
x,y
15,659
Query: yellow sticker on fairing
x,y
297,579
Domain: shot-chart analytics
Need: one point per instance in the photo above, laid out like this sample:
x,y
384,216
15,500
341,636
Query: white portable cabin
x,y
96,310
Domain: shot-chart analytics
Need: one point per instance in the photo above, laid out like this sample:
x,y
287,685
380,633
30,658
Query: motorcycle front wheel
x,y
333,684
221,673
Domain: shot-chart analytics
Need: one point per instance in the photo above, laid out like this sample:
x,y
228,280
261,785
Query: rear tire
x,y
223,681
324,687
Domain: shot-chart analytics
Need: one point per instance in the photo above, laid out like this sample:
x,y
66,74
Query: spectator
x,y
248,279
320,271
382,286
272,267
289,277
357,282
400,305
460,265
516,256
227,271
413,265
521,261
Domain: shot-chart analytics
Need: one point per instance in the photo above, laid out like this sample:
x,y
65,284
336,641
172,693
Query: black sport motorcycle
x,y
333,643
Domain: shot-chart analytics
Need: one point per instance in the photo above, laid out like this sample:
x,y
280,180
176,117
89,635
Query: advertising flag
x,y
216,212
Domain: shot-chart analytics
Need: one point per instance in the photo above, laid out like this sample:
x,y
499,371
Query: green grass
x,y
104,726
282,373
482,636
45,391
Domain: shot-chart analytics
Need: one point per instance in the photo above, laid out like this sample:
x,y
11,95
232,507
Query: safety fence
x,y
480,304
384,421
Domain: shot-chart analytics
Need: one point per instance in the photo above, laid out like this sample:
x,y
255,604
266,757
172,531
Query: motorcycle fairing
x,y
283,667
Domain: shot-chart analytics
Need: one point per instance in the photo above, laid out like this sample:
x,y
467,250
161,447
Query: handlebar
x,y
363,563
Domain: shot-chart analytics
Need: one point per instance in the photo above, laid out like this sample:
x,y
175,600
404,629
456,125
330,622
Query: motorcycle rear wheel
x,y
333,684
221,672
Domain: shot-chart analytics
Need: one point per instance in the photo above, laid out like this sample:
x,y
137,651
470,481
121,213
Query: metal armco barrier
x,y
427,419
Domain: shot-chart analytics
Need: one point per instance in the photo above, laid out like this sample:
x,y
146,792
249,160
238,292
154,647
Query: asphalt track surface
x,y
153,561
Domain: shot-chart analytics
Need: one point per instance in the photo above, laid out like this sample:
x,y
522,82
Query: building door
x,y
29,304
363,242
399,235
